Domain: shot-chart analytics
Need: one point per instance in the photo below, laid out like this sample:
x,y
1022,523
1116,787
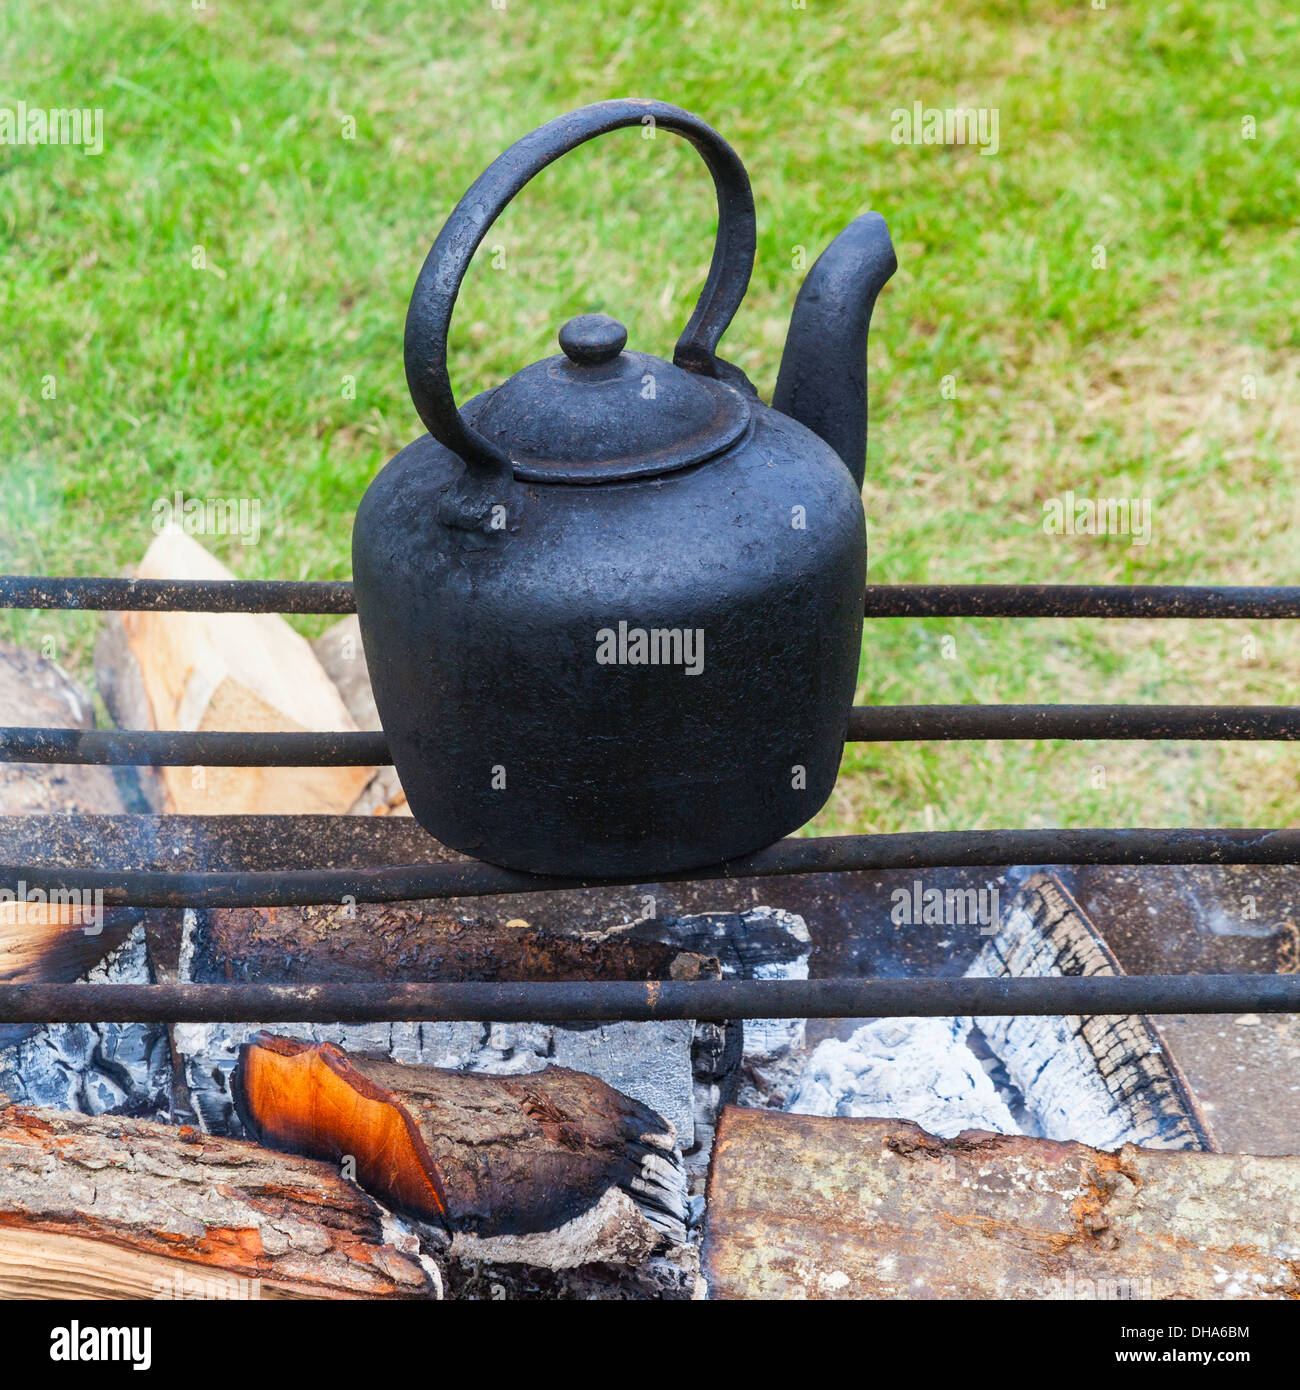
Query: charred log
x,y
554,1168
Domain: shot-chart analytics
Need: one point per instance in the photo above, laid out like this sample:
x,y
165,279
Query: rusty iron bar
x,y
826,854
895,723
204,748
588,1000
878,724
1081,601
881,600
177,595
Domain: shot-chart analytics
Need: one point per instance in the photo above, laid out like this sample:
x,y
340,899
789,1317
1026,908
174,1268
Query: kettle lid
x,y
597,413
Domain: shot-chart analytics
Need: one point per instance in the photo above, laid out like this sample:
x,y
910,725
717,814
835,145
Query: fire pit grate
x,y
460,877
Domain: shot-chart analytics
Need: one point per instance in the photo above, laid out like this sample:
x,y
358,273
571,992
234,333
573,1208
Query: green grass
x,y
1120,127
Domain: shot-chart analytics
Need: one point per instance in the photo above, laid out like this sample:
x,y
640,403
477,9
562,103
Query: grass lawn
x,y
215,304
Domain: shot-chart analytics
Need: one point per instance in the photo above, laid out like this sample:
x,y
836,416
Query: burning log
x,y
240,672
116,1208
650,1061
554,1169
804,1207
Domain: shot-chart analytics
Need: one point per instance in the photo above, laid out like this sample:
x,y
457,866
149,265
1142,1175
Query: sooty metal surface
x,y
883,723
78,864
710,1000
1188,601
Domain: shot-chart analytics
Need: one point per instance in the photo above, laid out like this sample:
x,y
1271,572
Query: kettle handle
x,y
428,319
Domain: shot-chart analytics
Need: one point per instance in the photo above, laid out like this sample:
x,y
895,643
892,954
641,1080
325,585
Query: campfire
x,y
577,1157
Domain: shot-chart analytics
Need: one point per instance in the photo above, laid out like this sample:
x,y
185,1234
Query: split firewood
x,y
340,653
240,672
552,1168
105,1207
805,1206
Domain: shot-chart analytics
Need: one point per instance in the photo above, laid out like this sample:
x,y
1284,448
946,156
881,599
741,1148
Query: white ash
x,y
670,1277
96,1068
763,943
916,1069
1102,1080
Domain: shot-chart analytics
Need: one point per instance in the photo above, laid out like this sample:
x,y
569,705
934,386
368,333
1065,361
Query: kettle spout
x,y
823,378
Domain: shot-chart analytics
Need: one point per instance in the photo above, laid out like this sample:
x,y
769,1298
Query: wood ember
x,y
241,672
95,1067
649,1061
1102,1080
751,1059
808,1207
761,944
115,1208
672,1277
1220,919
554,1169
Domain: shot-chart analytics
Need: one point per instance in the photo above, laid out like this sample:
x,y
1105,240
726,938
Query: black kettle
x,y
612,608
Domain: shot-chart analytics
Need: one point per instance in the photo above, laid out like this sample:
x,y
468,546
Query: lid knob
x,y
592,339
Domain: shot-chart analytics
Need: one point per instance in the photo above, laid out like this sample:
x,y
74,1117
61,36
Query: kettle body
x,y
611,632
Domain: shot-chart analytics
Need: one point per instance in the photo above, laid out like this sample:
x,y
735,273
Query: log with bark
x,y
554,1168
115,1208
811,1207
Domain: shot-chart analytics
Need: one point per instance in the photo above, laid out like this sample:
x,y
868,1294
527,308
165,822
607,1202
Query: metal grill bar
x,y
892,723
872,724
827,854
177,595
206,748
1081,601
882,600
640,1001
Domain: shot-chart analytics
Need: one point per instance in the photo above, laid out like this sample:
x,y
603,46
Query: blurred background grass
x,y
226,128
